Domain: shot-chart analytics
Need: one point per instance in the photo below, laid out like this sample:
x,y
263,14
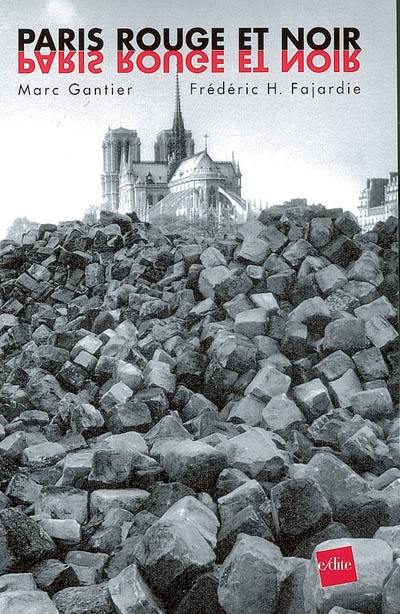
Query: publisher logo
x,y
336,566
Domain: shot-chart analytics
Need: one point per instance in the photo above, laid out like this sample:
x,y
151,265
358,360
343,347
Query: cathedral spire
x,y
178,124
178,145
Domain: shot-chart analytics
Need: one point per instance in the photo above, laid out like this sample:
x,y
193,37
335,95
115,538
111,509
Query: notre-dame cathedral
x,y
178,183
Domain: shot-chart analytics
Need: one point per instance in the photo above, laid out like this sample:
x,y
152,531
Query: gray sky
x,y
287,146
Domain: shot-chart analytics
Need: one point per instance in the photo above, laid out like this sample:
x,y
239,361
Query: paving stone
x,y
280,414
330,279
174,554
337,480
85,600
158,374
133,415
275,238
334,530
32,601
17,581
251,322
88,566
380,332
366,268
94,275
296,251
379,307
346,334
76,466
256,454
313,398
347,224
42,454
363,449
195,464
334,366
202,597
268,383
391,592
341,251
22,542
266,301
251,576
190,511
295,340
312,311
210,278
248,493
281,284
131,499
63,502
299,507
266,346
371,364
111,468
254,250
52,575
129,593
376,403
385,478
364,513
239,303
362,290
236,282
23,489
247,410
228,480
212,257
125,441
390,535
343,389
321,231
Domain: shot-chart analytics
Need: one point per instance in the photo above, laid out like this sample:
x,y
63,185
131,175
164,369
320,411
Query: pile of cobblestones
x,y
186,420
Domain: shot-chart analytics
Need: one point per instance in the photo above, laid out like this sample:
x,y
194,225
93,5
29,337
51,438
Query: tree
x,y
19,226
91,214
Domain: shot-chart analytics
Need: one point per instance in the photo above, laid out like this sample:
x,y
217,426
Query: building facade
x,y
179,183
378,200
295,203
392,195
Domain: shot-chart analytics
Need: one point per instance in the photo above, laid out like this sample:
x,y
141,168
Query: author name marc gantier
x,y
212,89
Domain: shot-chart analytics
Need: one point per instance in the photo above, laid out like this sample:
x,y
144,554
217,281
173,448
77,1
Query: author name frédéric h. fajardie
x,y
273,88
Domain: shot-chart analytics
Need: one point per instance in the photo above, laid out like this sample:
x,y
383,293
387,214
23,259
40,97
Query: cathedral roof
x,y
198,165
158,170
226,169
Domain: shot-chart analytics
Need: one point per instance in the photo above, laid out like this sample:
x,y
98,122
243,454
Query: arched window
x,y
212,197
149,200
160,197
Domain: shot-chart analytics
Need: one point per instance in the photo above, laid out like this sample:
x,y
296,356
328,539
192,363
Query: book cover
x,y
198,307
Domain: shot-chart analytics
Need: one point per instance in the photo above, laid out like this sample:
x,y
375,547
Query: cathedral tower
x,y
115,142
175,144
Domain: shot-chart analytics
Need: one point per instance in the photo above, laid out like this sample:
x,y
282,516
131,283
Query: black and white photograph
x,y
199,346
